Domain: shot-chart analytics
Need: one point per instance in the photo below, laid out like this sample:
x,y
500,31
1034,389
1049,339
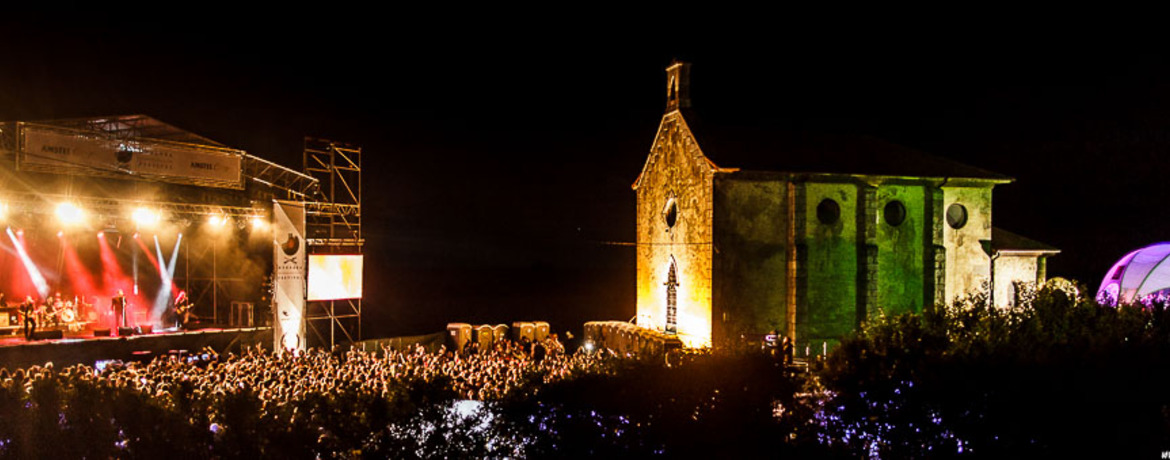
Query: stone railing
x,y
628,340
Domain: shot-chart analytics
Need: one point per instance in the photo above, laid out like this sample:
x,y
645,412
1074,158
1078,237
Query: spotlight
x,y
101,234
217,220
135,235
257,222
69,213
145,217
60,234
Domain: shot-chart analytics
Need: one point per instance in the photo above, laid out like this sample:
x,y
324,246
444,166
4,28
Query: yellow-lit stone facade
x,y
674,229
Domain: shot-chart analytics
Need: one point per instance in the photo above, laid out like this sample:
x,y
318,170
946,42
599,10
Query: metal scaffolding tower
x,y
333,225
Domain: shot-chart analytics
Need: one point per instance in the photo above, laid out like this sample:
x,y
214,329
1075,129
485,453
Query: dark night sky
x,y
499,158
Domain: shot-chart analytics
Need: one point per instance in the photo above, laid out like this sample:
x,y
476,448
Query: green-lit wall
x,y
847,269
750,262
901,274
828,307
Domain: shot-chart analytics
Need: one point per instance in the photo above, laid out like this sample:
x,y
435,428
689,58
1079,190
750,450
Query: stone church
x,y
741,231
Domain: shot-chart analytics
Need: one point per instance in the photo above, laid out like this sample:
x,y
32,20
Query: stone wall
x,y
750,272
829,306
675,172
1010,269
968,265
901,268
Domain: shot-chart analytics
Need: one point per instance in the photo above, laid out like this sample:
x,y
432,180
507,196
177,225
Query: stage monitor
x,y
335,277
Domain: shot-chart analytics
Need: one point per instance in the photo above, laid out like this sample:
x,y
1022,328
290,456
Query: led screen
x,y
333,277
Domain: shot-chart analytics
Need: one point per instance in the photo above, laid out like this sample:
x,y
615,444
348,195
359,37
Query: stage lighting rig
x,y
217,220
145,217
69,214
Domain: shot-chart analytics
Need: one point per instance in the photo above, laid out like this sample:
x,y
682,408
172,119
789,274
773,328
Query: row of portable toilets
x,y
626,339
461,334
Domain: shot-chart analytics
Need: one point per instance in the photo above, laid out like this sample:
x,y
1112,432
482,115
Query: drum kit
x,y
60,313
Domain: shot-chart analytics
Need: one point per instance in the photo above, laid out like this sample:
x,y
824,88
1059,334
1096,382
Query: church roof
x,y
1005,241
784,149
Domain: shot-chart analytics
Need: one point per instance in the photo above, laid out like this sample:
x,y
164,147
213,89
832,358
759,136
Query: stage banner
x,y
288,274
65,151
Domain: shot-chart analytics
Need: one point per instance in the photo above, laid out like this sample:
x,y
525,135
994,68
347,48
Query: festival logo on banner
x,y
288,224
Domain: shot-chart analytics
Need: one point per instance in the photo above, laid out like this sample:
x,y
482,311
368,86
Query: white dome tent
x,y
1139,274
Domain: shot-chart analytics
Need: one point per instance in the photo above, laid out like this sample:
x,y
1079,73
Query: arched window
x,y
672,298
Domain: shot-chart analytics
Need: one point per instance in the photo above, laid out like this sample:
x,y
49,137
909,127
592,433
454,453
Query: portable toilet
x,y
522,330
458,335
540,330
500,332
484,336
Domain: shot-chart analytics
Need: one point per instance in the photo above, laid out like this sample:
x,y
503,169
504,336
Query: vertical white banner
x,y
288,275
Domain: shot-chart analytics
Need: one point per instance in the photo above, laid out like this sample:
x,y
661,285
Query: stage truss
x,y
333,225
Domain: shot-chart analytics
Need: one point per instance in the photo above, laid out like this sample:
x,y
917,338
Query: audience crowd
x,y
284,376
281,383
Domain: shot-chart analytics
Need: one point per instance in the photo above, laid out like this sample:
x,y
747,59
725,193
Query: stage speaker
x,y
101,332
146,329
49,335
125,331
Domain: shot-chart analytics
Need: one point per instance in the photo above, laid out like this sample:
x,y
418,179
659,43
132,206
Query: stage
x,y
83,347
129,220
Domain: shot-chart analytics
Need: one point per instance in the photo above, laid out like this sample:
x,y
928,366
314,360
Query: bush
x,y
1057,375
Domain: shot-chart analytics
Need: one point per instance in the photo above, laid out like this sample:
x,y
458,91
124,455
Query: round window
x,y
956,216
828,211
670,214
895,213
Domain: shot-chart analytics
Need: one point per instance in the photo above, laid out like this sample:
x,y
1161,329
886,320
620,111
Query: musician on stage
x,y
183,307
118,305
53,306
28,308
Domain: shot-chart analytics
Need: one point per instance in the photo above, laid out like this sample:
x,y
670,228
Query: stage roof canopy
x,y
131,126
